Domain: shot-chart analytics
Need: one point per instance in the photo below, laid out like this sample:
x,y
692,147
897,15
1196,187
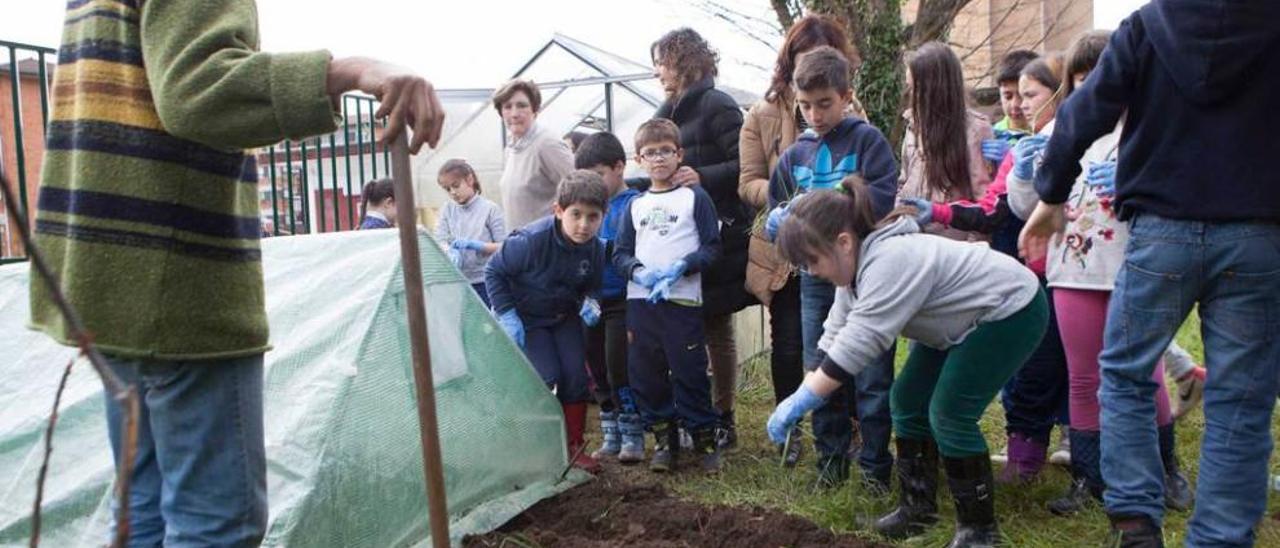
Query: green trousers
x,y
941,394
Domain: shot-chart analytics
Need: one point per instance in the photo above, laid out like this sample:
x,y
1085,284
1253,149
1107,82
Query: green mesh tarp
x,y
344,458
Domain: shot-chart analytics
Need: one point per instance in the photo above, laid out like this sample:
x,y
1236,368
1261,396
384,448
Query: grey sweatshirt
x,y
534,166
478,219
928,288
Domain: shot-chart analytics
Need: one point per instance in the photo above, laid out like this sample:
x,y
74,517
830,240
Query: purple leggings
x,y
1082,317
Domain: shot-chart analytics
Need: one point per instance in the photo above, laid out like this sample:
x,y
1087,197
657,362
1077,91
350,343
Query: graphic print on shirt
x,y
659,220
825,173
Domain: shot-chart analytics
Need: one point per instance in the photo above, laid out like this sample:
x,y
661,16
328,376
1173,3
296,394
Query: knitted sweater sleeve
x,y
211,85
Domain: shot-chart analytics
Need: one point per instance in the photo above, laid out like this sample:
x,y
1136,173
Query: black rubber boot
x,y
1177,490
972,484
917,490
1086,475
727,434
666,447
1134,532
706,446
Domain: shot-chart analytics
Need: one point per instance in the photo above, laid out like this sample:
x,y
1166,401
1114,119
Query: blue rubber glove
x,y
1025,153
455,257
993,150
473,245
1102,178
774,221
645,276
510,322
661,291
924,209
790,411
674,271
590,312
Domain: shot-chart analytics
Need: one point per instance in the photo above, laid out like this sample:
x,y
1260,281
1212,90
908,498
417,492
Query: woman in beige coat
x,y
771,125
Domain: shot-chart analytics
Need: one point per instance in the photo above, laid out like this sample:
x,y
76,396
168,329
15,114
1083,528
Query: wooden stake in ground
x,y
424,385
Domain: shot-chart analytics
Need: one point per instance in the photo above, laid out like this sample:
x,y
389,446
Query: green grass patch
x,y
754,476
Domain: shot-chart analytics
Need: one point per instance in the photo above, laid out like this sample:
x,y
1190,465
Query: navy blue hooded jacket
x,y
1197,82
542,274
816,162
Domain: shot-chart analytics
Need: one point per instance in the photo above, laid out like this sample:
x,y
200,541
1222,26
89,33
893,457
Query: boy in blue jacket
x,y
620,424
836,146
668,236
540,283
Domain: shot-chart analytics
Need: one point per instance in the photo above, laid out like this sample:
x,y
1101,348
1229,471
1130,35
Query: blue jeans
x,y
200,472
868,397
1233,271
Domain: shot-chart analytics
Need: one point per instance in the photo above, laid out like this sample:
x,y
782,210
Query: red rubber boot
x,y
575,421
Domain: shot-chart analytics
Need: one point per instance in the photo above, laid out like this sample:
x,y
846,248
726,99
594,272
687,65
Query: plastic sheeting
x,y
344,458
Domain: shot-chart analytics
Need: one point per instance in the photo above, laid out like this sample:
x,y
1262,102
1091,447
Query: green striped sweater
x,y
148,205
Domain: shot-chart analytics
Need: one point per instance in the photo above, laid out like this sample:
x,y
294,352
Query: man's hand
x,y
407,99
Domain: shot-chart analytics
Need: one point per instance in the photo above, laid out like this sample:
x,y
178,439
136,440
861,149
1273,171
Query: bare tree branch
x,y
755,28
786,11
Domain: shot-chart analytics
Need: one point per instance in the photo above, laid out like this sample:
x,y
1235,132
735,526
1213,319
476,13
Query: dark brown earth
x,y
623,508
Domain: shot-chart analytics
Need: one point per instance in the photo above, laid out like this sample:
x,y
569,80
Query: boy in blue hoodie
x,y
836,146
1196,82
620,424
541,284
668,236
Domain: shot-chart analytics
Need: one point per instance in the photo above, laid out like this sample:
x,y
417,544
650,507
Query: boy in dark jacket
x,y
620,424
540,283
835,146
1196,82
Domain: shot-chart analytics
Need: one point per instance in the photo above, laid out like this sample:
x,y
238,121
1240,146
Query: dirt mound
x,y
615,510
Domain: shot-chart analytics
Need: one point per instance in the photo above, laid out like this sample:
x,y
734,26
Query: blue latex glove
x,y
923,207
790,411
645,276
455,257
473,245
1025,153
661,291
510,322
674,271
995,149
590,312
774,221
1102,178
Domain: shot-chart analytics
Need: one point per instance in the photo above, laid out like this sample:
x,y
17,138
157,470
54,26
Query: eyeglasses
x,y
655,155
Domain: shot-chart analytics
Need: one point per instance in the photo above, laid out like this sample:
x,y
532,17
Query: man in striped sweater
x,y
148,212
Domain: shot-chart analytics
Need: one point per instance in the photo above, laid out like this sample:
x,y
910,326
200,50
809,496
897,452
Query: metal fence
x,y
26,72
313,185
306,186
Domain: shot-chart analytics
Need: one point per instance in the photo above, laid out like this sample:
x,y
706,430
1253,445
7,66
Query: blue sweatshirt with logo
x,y
817,162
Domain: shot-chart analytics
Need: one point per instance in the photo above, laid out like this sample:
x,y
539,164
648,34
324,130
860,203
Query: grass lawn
x,y
753,476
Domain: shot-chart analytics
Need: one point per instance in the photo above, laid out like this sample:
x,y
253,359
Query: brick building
x,y
32,121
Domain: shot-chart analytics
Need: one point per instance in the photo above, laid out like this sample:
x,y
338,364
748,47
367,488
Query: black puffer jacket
x,y
709,121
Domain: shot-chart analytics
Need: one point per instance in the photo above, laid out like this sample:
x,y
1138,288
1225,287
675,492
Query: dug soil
x,y
627,507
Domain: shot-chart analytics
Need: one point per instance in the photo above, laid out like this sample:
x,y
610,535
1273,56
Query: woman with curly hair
x,y
709,121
